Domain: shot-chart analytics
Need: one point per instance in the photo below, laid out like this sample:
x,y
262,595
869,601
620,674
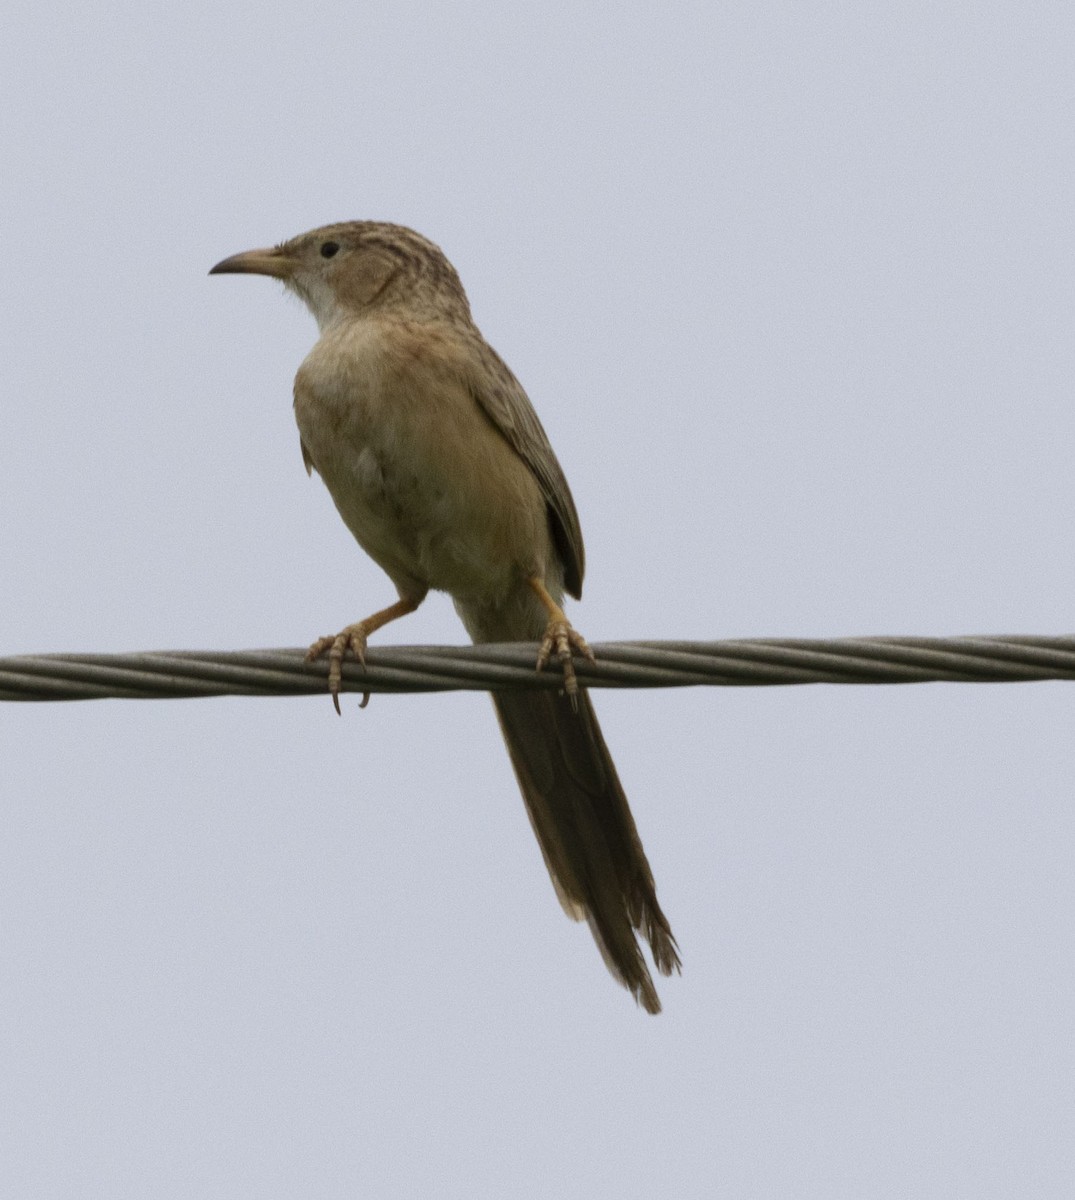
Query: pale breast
x,y
427,486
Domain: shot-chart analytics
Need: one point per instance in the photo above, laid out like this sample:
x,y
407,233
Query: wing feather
x,y
502,398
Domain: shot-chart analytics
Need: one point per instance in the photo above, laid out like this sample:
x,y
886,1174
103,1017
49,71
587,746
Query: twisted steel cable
x,y
766,662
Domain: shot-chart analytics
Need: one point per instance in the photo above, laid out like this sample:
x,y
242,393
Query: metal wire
x,y
176,674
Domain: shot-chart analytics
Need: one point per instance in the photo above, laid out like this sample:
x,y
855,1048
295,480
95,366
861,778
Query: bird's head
x,y
355,267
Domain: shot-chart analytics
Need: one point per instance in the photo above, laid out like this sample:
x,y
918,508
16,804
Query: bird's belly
x,y
434,511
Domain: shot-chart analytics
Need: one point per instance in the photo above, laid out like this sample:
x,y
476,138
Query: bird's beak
x,y
276,262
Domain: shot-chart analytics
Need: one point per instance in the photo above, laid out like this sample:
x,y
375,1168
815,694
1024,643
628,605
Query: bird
x,y
440,468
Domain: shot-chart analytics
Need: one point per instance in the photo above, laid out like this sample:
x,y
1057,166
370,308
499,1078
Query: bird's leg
x,y
561,636
354,638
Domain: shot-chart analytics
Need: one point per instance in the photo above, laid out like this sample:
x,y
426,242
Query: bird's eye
x,y
328,249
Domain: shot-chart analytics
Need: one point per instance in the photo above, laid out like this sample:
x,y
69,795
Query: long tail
x,y
587,834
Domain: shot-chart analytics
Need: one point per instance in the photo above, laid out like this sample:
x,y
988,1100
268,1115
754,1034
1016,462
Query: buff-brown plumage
x,y
442,471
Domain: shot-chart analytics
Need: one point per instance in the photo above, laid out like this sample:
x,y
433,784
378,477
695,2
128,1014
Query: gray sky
x,y
791,287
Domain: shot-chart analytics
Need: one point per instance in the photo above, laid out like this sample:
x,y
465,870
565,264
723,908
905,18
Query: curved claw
x,y
352,639
561,635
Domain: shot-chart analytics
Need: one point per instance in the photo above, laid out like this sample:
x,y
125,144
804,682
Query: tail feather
x,y
586,832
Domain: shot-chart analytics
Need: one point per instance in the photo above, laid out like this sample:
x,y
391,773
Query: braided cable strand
x,y
176,674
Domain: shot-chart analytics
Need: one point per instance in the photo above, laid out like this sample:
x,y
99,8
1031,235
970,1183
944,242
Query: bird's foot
x,y
352,639
564,639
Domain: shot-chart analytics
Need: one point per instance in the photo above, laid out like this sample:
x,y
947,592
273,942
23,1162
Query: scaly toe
x,y
319,647
581,644
561,637
352,639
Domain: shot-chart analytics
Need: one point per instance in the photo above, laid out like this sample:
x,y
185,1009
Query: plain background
x,y
791,286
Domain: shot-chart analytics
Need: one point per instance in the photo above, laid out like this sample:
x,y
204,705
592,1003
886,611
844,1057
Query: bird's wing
x,y
307,461
501,397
